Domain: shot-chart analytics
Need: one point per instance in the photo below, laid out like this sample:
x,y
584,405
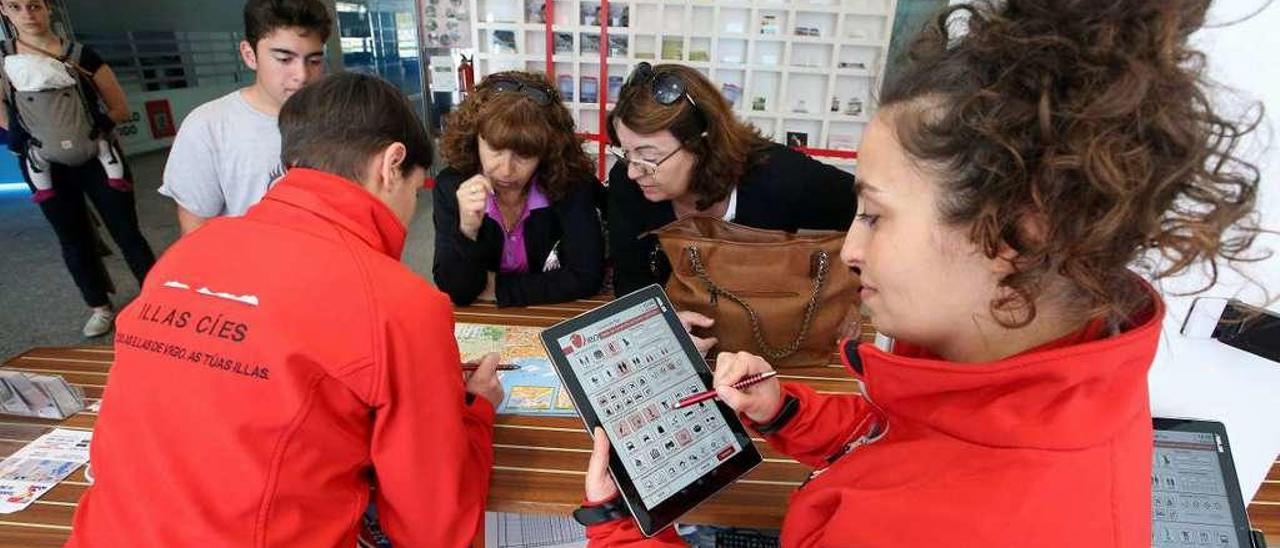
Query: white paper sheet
x,y
38,467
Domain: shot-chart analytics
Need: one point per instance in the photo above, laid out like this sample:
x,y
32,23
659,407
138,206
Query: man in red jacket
x,y
278,365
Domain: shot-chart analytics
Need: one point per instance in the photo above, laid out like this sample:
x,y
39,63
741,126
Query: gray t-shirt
x,y
224,158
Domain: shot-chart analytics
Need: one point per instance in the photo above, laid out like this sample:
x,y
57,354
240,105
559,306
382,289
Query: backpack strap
x,y
71,59
9,47
73,53
6,49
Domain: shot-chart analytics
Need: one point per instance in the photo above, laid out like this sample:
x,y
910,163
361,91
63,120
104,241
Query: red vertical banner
x,y
548,22
602,97
602,131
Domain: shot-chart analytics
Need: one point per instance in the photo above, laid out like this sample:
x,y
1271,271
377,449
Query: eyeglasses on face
x,y
648,168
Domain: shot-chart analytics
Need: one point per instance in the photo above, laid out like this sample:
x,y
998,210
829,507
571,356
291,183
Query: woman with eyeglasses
x,y
515,212
682,151
1026,158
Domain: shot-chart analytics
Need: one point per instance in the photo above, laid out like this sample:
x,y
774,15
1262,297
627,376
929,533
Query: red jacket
x,y
272,365
1051,447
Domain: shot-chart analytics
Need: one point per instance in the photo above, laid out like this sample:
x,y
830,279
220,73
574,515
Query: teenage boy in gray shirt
x,y
227,151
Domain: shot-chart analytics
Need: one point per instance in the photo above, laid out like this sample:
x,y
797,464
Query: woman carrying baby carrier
x,y
54,92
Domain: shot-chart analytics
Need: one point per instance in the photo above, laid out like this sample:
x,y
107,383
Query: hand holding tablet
x,y
600,487
626,365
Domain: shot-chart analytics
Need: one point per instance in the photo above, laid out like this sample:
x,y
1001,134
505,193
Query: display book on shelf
x,y
790,68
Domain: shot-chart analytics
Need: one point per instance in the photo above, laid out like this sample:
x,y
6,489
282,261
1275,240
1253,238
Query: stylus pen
x,y
709,394
501,366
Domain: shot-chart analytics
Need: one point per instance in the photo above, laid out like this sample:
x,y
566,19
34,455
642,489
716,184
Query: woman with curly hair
x,y
515,211
682,152
1013,173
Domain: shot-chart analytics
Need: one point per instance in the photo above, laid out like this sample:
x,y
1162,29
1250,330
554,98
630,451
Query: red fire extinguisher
x,y
466,76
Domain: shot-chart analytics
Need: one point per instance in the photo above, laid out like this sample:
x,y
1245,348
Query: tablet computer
x,y
1195,495
625,365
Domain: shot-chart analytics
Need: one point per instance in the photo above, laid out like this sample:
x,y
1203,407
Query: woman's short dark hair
x,y
511,120
339,123
1080,134
262,17
724,155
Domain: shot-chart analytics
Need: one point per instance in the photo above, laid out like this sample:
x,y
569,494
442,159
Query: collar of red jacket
x,y
1058,396
345,203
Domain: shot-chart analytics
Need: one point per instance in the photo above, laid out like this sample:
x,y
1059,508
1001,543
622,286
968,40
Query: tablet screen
x,y
1189,499
633,369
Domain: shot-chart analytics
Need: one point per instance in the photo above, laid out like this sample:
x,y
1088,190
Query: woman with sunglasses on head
x,y
682,151
1026,156
515,212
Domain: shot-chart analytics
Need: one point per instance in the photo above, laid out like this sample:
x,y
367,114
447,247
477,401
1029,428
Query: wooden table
x,y
539,461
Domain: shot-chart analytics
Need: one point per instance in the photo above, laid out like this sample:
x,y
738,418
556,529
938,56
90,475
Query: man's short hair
x,y
339,123
262,17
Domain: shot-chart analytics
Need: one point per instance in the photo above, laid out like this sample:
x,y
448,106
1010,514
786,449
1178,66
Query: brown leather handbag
x,y
782,296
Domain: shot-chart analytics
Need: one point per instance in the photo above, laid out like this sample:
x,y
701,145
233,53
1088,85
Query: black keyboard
x,y
745,538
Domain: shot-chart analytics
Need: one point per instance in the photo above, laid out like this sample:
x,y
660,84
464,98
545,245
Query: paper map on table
x,y
535,388
39,466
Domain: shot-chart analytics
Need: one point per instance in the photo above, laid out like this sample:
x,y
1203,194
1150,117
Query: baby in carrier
x,y
54,111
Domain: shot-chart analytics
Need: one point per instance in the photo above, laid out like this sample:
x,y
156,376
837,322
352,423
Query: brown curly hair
x,y
1080,134
514,121
729,149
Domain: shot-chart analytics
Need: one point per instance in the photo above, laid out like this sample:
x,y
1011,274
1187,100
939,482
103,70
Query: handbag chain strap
x,y
819,280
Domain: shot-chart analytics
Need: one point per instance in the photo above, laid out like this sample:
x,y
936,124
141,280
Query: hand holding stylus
x,y
760,402
740,385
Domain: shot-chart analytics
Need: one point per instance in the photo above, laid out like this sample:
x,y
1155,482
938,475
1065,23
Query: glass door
x,y
381,37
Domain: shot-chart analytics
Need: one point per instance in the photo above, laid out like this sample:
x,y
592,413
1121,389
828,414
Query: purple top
x,y
514,257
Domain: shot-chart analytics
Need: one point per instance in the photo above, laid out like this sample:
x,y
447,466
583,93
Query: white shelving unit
x,y
787,80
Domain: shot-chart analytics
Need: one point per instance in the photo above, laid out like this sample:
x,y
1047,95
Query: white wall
x,y
135,135
1204,378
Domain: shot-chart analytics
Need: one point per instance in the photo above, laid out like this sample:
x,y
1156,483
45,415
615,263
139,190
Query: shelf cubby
x,y
771,58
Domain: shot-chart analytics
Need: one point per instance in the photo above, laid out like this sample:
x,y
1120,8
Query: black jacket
x,y
461,265
785,190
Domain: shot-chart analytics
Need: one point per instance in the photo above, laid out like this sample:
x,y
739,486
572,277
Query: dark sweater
x,y
786,190
462,265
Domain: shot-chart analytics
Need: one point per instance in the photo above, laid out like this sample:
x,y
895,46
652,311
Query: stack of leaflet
x,y
44,396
